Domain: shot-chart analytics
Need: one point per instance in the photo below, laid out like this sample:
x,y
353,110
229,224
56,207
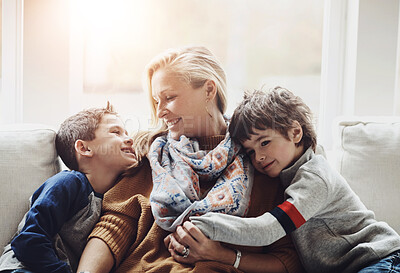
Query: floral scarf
x,y
179,166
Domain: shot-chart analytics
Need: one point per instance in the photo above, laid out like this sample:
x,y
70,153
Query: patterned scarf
x,y
179,166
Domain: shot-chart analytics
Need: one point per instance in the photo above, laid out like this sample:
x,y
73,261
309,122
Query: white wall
x,y
12,57
376,57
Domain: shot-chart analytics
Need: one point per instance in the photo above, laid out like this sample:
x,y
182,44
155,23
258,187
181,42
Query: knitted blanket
x,y
178,167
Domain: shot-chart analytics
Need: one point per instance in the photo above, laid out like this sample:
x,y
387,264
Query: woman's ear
x,y
296,132
82,148
211,90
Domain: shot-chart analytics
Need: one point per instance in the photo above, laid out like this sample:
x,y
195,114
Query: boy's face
x,y
111,146
271,152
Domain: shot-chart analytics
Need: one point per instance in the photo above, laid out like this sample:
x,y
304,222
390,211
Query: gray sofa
x,y
366,153
27,158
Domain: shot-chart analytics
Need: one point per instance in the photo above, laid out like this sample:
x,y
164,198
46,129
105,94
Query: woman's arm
x,y
96,258
202,248
116,231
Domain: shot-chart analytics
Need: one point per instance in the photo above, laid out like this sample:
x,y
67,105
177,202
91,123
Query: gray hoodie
x,y
332,229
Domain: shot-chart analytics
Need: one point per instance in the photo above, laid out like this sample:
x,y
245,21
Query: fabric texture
x,y
136,241
389,264
17,271
27,158
338,233
368,158
52,234
178,168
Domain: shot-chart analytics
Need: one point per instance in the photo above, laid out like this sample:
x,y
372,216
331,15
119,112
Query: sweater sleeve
x,y
52,205
305,198
123,207
257,231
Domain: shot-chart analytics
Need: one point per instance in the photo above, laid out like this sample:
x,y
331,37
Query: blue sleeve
x,y
52,205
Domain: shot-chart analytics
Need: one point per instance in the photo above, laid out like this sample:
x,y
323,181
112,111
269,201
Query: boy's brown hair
x,y
277,110
79,126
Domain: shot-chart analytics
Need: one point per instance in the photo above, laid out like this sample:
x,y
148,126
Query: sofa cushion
x,y
369,158
27,158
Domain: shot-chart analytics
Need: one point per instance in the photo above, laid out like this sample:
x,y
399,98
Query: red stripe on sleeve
x,y
293,213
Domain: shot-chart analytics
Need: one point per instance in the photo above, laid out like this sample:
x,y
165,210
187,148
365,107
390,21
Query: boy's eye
x,y
264,143
250,152
116,132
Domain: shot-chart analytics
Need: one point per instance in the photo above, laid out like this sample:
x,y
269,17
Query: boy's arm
x,y
259,231
306,197
51,207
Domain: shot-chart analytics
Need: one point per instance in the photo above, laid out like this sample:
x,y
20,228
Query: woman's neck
x,y
217,125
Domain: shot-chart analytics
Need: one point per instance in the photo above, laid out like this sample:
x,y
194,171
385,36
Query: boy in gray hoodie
x,y
331,228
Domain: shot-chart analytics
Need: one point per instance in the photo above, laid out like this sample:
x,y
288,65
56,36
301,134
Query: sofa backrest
x,y
368,156
27,158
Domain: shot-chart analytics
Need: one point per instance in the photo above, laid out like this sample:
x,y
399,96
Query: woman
x,y
187,89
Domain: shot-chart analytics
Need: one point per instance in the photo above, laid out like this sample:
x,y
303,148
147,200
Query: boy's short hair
x,y
277,110
79,126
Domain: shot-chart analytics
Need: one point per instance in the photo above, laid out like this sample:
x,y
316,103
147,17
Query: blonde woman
x,y
187,90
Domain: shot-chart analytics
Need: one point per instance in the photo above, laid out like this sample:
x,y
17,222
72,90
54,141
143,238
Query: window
x,y
97,52
260,44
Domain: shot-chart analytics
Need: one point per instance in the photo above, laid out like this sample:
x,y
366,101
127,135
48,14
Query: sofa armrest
x,y
27,158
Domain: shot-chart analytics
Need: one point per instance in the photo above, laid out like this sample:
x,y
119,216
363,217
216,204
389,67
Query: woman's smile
x,y
170,123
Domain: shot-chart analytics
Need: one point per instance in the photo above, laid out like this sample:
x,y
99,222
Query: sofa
x,y
366,152
27,158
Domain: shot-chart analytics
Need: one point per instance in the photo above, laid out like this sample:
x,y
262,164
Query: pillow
x,y
369,159
27,158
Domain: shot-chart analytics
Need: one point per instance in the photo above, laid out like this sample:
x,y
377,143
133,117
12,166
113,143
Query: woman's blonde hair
x,y
141,144
195,65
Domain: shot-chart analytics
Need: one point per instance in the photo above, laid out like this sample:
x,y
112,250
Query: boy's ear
x,y
296,132
82,148
211,89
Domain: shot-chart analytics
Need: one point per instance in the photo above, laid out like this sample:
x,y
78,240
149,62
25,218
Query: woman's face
x,y
181,107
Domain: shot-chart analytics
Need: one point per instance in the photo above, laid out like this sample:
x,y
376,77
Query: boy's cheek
x,y
255,165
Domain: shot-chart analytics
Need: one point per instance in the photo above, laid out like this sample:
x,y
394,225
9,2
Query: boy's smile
x,y
271,152
269,165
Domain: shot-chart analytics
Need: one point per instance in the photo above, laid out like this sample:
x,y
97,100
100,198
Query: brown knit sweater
x,y
137,243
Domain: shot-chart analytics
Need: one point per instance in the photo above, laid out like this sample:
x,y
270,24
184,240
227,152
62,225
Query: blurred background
x,y
60,56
